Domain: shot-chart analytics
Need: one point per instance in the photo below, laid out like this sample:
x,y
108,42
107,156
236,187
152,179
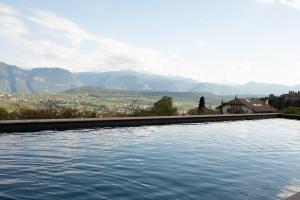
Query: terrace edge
x,y
9,126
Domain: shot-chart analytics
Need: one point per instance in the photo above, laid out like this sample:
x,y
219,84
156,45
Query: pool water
x,y
257,159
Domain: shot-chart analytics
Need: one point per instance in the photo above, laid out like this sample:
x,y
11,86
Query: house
x,y
239,105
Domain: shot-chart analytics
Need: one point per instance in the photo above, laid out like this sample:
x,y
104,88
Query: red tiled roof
x,y
255,105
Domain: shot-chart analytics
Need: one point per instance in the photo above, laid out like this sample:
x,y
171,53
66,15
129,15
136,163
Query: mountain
x,y
12,79
215,89
39,80
47,80
265,88
129,80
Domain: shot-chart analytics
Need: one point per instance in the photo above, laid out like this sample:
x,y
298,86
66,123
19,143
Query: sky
x,y
220,41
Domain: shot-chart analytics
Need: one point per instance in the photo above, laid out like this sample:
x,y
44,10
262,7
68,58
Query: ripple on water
x,y
292,187
227,160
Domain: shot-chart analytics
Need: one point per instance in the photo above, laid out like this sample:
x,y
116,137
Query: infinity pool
x,y
257,159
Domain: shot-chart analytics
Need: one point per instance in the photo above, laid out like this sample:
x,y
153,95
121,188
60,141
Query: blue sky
x,y
227,41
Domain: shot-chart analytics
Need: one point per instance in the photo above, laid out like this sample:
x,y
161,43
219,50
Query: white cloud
x,y
51,46
11,28
266,1
292,3
5,9
63,26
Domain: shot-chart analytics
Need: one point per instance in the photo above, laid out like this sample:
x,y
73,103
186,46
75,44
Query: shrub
x,y
292,110
207,111
29,113
89,114
3,114
164,107
114,114
141,113
193,111
51,111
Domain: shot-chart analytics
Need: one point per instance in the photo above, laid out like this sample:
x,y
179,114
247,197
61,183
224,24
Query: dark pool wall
x,y
66,124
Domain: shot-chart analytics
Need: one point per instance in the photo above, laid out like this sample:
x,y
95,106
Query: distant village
x,y
237,105
83,101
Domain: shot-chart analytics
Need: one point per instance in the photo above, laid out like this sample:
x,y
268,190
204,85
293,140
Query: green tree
x,y
164,107
276,102
201,107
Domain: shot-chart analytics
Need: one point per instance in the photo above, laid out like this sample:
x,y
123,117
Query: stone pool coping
x,y
8,126
294,197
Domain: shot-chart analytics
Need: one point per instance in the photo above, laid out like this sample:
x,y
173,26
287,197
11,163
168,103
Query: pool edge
x,y
8,126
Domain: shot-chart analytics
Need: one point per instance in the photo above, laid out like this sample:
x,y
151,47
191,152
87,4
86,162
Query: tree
x,y
164,106
201,107
276,102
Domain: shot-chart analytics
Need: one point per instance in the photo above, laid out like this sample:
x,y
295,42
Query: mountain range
x,y
14,79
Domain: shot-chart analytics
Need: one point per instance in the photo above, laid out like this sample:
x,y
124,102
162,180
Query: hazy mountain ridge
x,y
38,80
129,80
47,80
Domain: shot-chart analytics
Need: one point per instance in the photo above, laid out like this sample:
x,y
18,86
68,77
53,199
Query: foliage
x,y
164,107
142,113
292,110
279,103
113,113
290,103
51,111
201,107
276,102
3,114
207,111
